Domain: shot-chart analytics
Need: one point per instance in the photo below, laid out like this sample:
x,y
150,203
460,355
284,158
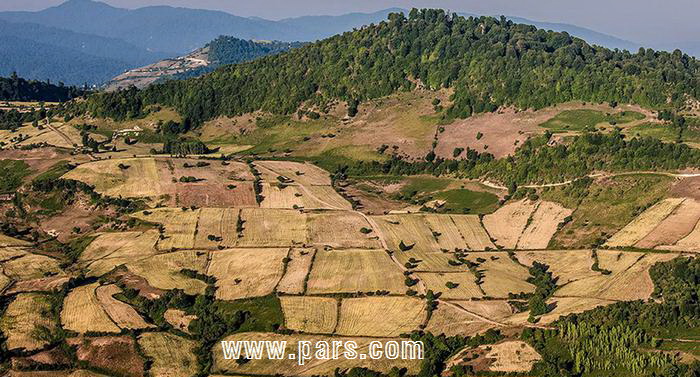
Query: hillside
x,y
487,62
221,51
15,88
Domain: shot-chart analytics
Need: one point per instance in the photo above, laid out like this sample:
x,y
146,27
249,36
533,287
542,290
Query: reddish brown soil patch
x,y
371,204
79,214
123,276
216,195
114,354
53,283
56,358
686,188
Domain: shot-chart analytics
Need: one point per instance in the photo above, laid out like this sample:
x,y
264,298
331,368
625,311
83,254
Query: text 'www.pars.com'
x,y
305,351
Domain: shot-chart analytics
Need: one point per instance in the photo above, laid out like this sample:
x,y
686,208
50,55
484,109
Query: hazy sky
x,y
645,21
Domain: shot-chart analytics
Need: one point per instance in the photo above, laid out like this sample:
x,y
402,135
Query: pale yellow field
x,y
501,274
123,245
689,243
543,225
566,265
644,223
11,252
172,356
512,356
436,281
82,312
121,313
314,367
473,233
326,196
563,306
429,261
287,198
451,321
163,270
339,271
6,241
141,179
311,175
676,226
272,228
218,222
411,229
180,226
341,229
315,315
380,316
24,315
449,237
629,279
242,273
32,266
508,222
297,269
495,310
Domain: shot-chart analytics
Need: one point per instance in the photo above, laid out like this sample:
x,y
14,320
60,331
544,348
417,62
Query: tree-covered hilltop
x,y
15,88
489,62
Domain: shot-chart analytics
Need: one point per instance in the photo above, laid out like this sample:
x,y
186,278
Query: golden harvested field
x,y
341,229
180,226
314,367
512,356
566,265
448,235
347,271
644,223
124,245
542,226
301,173
163,270
82,312
288,197
24,316
387,316
326,196
508,222
141,179
429,261
272,228
495,310
451,321
242,273
217,222
121,313
6,241
473,233
628,281
315,315
32,266
179,319
297,269
501,274
563,306
673,228
173,356
467,288
411,229
8,253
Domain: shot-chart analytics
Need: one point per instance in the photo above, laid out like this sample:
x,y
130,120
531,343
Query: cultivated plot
x,y
315,315
644,223
542,225
380,316
242,273
173,356
24,321
509,222
347,271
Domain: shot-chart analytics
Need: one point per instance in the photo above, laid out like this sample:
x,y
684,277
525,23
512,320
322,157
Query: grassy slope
x,y
578,120
13,173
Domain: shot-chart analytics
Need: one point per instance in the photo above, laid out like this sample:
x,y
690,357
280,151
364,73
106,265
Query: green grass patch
x,y
468,201
692,348
422,185
54,172
13,173
265,313
580,120
665,132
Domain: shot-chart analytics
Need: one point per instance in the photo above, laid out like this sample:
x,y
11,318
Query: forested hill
x,y
489,62
15,88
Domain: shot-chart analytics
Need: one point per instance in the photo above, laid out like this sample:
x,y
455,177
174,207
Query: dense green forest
x,y
489,62
15,88
229,50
